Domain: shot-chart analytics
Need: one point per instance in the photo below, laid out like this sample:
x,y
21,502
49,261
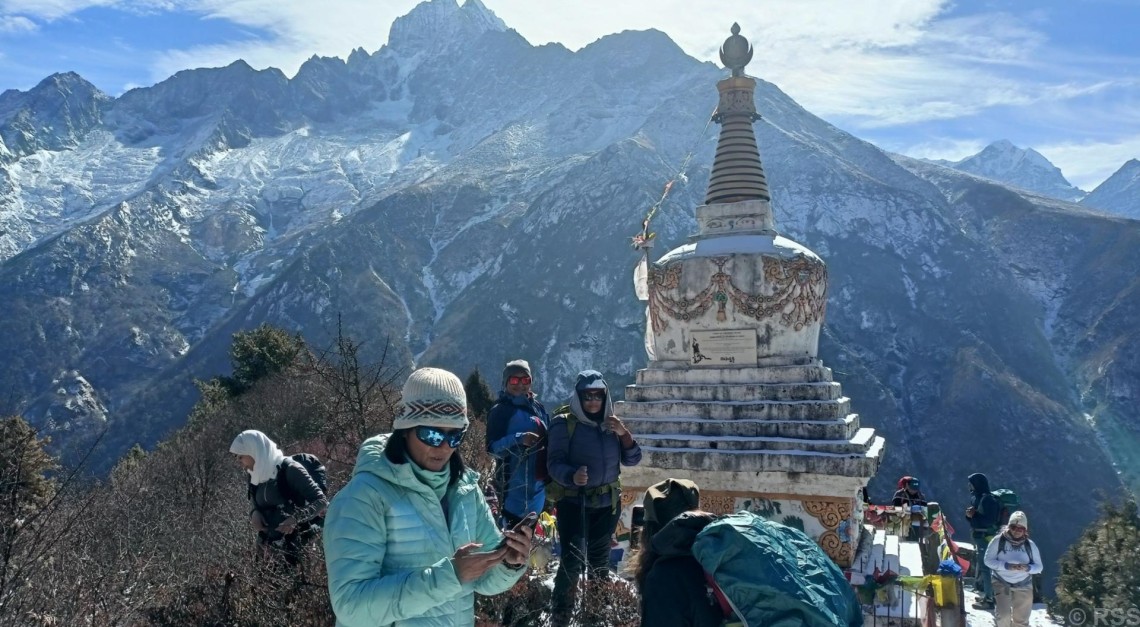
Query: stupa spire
x,y
737,173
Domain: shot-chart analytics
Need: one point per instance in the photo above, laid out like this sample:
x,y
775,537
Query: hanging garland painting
x,y
796,293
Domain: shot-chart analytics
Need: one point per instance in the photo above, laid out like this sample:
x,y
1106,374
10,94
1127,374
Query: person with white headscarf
x,y
285,501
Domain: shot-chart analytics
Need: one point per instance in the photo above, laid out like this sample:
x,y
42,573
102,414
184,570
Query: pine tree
x,y
479,398
24,467
1101,572
25,490
259,353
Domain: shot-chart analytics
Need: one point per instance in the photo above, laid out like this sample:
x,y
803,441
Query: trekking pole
x,y
585,542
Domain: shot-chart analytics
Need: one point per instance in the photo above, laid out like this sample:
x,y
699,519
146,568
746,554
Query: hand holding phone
x,y
517,542
530,520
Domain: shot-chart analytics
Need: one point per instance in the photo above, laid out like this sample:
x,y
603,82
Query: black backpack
x,y
1002,543
312,465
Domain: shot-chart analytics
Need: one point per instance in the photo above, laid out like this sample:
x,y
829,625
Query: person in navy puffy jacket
x,y
587,446
516,437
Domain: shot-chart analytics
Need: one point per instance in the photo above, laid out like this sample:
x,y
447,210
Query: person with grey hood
x,y
587,445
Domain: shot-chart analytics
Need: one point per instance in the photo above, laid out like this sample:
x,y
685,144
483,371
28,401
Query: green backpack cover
x,y
774,575
1008,503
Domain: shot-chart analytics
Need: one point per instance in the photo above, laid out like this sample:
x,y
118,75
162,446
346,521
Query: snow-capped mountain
x,y
470,199
1119,193
1024,168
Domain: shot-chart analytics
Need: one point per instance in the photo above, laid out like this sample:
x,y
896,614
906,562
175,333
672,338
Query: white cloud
x,y
901,63
54,9
296,31
897,67
10,24
50,9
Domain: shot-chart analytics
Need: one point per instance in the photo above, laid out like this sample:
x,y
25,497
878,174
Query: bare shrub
x,y
165,539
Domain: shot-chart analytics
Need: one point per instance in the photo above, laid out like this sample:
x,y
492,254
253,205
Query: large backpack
x,y
312,465
543,472
555,491
1008,503
1002,542
774,575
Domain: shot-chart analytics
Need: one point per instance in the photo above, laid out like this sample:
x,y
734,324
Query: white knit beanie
x,y
1019,518
433,398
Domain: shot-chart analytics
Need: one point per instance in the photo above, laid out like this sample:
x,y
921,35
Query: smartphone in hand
x,y
530,520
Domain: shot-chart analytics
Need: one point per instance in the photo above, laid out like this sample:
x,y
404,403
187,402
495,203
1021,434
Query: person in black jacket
x,y
284,500
909,493
674,592
911,497
983,513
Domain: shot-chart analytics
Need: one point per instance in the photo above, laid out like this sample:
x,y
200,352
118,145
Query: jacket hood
x,y
371,459
980,482
590,379
676,537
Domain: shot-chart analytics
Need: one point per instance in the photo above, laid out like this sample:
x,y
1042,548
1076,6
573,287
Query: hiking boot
x,y
983,605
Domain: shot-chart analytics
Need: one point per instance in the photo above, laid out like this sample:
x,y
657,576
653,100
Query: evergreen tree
x,y
259,353
128,463
25,492
24,466
479,397
1101,572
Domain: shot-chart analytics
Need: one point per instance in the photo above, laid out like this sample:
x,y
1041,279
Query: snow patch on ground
x,y
983,618
911,289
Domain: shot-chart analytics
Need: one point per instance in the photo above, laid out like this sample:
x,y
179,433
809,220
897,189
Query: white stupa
x,y
735,396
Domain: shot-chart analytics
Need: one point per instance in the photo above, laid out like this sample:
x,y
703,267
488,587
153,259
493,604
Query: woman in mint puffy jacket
x,y
410,539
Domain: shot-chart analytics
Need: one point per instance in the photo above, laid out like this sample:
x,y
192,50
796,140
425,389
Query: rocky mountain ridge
x,y
468,200
1024,168
1119,194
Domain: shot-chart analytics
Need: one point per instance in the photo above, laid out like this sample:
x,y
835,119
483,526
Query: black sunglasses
x,y
435,437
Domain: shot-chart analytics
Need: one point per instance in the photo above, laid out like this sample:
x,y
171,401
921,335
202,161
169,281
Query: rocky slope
x,y
1119,194
469,199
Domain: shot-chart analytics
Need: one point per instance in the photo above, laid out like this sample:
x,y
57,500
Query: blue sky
x,y
927,78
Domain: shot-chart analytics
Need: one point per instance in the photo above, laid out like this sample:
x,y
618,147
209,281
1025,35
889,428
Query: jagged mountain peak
x,y
55,114
357,56
1025,168
316,62
1003,150
637,43
1119,193
64,79
436,24
61,85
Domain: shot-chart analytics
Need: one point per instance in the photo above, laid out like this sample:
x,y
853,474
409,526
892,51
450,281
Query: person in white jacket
x,y
1013,559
